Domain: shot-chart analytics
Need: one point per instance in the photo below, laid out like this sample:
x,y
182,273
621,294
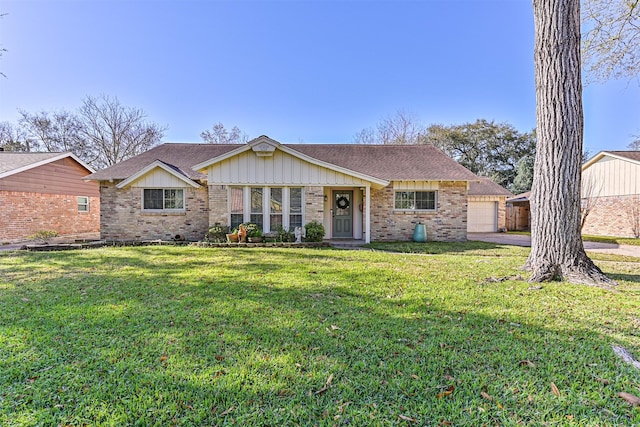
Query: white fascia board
x,y
204,165
602,154
45,161
150,167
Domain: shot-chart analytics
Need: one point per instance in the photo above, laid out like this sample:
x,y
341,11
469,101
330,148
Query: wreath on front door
x,y
342,202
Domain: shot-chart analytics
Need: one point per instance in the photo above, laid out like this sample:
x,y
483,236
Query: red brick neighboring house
x,y
611,194
45,191
362,192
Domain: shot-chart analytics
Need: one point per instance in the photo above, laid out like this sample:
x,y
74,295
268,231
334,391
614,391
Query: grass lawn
x,y
283,337
599,239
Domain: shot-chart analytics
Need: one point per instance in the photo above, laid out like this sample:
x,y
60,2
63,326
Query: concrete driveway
x,y
525,240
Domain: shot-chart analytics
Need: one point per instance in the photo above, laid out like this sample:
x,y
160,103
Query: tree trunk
x,y
557,252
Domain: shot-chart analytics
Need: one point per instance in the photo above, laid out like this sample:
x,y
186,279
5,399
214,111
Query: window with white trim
x,y
415,200
83,204
268,207
275,208
295,207
157,199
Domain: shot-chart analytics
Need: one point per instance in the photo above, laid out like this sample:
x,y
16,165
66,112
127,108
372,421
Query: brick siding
x,y
613,216
22,214
447,223
122,217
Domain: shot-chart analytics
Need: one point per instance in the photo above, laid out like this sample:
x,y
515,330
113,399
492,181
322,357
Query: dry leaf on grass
x,y
633,400
486,396
528,363
554,389
228,411
411,420
447,392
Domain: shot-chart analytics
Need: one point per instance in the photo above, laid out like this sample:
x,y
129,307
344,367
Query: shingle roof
x,y
631,155
390,162
387,162
177,155
486,187
10,161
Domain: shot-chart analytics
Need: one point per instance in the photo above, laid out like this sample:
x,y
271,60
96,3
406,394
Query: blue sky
x,y
312,71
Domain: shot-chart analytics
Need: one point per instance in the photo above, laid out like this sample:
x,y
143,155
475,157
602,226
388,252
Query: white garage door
x,y
482,217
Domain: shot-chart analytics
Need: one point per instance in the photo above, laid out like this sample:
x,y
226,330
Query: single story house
x,y
487,206
363,192
611,194
46,191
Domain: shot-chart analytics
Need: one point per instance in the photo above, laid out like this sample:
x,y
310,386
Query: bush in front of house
x,y
314,232
217,234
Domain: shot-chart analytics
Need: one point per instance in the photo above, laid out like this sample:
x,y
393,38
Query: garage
x,y
482,217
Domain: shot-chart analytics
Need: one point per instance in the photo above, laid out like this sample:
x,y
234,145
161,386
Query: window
x,y
295,207
237,210
416,200
83,204
267,207
275,208
163,199
256,207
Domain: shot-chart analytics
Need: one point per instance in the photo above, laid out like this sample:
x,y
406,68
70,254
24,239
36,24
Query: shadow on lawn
x,y
244,346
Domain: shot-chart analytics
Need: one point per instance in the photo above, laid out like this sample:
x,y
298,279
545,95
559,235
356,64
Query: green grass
x,y
598,239
284,337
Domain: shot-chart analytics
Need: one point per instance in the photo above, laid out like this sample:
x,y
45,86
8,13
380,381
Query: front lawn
x,y
284,337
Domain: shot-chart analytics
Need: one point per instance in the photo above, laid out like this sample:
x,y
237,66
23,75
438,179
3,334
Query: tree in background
x,y
484,147
557,251
399,129
54,132
102,132
13,138
611,44
114,132
635,144
218,134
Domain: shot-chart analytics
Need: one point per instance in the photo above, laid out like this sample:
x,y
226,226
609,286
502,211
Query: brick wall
x,y
122,218
314,204
22,214
448,223
613,216
218,205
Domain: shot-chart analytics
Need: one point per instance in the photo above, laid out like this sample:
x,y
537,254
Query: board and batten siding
x,y
279,169
158,178
612,177
415,185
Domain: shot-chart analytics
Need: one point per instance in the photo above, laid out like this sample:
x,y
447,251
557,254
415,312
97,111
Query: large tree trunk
x,y
557,252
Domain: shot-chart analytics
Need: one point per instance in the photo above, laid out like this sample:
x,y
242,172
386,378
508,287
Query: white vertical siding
x,y
280,169
611,177
158,178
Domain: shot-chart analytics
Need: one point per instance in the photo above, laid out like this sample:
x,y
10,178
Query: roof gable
x,y
629,156
171,170
12,163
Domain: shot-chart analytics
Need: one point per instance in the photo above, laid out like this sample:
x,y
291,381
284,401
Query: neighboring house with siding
x,y
46,191
363,192
611,194
487,206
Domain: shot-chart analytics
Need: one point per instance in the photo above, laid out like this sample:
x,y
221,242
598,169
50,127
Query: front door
x,y
343,214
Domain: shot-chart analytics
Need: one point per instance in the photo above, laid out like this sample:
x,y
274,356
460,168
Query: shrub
x,y
217,234
284,235
253,230
43,235
314,232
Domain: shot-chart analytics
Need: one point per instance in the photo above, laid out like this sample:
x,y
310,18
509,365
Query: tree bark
x,y
557,252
